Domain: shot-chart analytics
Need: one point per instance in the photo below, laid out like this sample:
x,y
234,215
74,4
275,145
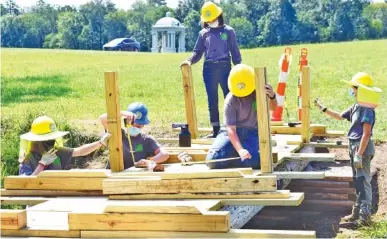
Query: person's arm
x,y
161,155
234,49
364,139
128,115
88,148
38,169
197,51
332,113
234,139
272,96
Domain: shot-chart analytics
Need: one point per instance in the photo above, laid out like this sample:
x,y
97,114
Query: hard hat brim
x,y
371,88
43,137
142,122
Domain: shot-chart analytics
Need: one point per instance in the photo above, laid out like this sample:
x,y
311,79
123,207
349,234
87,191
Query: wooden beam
x,y
338,176
331,133
193,141
192,148
233,233
295,199
299,175
189,98
197,155
13,219
327,196
33,182
263,121
279,194
28,232
305,92
245,184
312,189
315,157
114,121
212,222
326,145
30,201
23,192
77,173
321,183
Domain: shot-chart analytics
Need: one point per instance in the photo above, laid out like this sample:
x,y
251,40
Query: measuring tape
x,y
128,126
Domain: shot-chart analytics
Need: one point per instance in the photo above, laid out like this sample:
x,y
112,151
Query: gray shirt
x,y
241,111
31,162
358,115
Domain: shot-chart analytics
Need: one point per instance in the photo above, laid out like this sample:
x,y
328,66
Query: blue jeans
x,y
223,148
214,74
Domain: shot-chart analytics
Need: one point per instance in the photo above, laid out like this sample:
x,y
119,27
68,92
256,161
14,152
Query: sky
x,y
124,4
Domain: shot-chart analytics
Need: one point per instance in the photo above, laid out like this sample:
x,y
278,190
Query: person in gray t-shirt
x,y
144,147
42,148
361,150
240,137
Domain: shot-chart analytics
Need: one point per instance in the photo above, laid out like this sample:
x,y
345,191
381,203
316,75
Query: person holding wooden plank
x,y
42,148
217,41
361,147
240,137
137,146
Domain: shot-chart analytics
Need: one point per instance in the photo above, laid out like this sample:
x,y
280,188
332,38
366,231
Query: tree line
x,y
256,22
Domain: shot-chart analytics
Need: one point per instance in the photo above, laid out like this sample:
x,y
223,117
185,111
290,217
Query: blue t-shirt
x,y
358,115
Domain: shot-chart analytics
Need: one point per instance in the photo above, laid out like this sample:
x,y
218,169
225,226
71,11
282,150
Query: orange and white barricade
x,y
284,63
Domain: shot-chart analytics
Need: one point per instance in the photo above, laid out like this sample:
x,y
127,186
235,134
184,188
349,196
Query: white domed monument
x,y
168,28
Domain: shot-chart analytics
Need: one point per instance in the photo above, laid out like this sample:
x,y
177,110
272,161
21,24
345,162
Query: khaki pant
x,y
362,176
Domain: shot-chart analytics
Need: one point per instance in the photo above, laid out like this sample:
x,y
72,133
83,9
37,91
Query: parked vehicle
x,y
122,44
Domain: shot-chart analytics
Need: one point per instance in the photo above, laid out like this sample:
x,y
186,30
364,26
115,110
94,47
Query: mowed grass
x,y
69,85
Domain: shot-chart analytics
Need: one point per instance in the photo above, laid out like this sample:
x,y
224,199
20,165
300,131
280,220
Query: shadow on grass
x,y
33,89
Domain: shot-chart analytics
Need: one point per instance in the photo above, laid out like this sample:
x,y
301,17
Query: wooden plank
x,y
263,121
13,219
71,204
299,175
330,203
310,189
295,199
331,133
196,156
23,192
211,222
189,99
28,232
192,148
22,200
327,196
334,176
285,129
77,173
112,96
233,233
321,183
193,141
326,145
33,182
280,194
161,206
315,157
305,113
246,184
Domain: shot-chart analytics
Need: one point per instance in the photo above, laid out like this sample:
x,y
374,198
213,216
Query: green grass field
x,y
70,84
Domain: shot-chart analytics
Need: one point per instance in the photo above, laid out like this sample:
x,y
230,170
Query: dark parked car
x,y
122,44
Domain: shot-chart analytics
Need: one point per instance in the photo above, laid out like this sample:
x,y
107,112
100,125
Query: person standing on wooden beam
x,y
240,136
42,148
361,148
217,41
136,145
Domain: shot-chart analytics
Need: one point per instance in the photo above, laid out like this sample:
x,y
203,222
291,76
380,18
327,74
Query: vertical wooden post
x,y
114,121
189,97
263,121
305,114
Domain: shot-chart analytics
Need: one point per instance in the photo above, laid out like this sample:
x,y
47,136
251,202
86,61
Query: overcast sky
x,y
124,4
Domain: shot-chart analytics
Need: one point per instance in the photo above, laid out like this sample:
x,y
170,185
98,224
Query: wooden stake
x,y
263,121
189,98
305,118
114,121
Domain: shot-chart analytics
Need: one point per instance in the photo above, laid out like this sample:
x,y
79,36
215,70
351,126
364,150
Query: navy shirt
x,y
358,115
216,44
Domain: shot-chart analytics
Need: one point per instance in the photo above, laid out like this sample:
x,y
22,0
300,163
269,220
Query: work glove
x,y
48,157
105,138
318,104
186,62
244,154
358,161
150,164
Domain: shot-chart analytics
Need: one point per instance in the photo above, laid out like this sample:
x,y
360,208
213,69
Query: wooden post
x,y
305,114
189,97
263,121
114,121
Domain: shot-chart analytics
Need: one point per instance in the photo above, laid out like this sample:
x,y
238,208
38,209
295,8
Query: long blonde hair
x,y
26,148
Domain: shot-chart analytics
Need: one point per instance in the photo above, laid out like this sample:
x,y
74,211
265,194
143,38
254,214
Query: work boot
x,y
363,220
354,215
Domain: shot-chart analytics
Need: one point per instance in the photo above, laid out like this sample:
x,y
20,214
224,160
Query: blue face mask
x,y
351,92
134,131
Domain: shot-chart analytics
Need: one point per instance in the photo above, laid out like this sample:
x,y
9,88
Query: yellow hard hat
x,y
210,12
361,78
241,80
43,128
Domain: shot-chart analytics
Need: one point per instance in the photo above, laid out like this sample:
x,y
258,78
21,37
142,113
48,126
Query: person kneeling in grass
x,y
240,138
42,148
361,149
144,148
